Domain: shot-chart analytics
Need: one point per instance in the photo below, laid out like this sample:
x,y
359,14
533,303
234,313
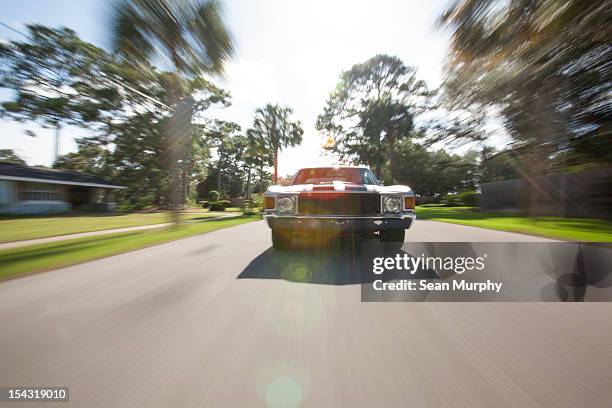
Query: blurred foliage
x,y
544,66
9,156
371,110
188,35
58,79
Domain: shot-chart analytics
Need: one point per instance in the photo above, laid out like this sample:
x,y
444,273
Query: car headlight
x,y
286,204
392,204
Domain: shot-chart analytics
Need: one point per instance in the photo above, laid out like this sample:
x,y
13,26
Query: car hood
x,y
339,186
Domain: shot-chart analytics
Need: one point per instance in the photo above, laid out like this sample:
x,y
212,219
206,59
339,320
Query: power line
x,y
13,29
140,93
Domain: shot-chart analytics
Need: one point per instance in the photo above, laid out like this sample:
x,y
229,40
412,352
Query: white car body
x,y
335,205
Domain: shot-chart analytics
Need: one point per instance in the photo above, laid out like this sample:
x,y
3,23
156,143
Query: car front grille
x,y
338,204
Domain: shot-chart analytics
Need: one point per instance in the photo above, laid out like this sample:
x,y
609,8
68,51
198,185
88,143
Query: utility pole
x,y
56,149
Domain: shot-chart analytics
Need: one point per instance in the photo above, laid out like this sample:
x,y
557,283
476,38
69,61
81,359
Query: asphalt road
x,y
212,321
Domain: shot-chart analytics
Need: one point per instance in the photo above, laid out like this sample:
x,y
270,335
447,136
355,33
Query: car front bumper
x,y
339,224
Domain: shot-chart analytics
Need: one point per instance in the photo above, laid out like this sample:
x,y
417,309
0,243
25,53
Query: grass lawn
x,y
227,209
35,258
570,229
21,228
233,209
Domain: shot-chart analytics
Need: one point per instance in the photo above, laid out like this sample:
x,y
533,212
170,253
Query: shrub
x,y
461,199
205,204
250,211
220,205
250,207
217,206
213,195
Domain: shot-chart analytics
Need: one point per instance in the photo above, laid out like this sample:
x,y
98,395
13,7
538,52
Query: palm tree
x,y
191,37
190,34
274,130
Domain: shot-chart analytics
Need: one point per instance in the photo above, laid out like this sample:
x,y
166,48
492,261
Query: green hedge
x,y
461,199
219,205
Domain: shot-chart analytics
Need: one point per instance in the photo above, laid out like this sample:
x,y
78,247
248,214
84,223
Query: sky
x,y
288,52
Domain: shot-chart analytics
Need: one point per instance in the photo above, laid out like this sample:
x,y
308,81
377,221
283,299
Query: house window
x,y
39,192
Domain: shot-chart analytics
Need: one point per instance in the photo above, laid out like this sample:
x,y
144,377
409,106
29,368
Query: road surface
x,y
211,321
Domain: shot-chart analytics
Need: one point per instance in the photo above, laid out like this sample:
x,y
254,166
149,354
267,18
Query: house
x,y
35,190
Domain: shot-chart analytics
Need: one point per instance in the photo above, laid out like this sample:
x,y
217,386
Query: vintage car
x,y
342,200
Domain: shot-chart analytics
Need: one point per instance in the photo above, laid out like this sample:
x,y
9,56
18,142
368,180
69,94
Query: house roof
x,y
19,172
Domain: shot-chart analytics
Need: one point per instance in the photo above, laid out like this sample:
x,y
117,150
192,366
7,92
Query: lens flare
x,y
297,272
283,392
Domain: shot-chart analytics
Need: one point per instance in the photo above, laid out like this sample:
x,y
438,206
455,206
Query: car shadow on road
x,y
341,263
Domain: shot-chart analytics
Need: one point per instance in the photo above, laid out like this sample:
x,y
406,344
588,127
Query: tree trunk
x,y
391,141
248,191
174,185
261,180
184,183
275,178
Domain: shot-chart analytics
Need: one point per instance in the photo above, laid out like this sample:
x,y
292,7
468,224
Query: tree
x,y
497,166
132,149
274,130
188,35
9,156
371,110
140,155
90,158
433,174
57,79
230,166
545,67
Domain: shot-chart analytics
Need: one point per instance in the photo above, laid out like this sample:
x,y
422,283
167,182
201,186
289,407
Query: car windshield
x,y
327,175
